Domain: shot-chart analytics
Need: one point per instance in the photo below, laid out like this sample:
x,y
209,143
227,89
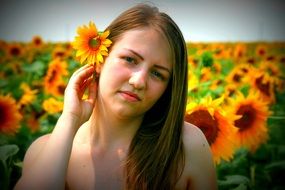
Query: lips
x,y
130,96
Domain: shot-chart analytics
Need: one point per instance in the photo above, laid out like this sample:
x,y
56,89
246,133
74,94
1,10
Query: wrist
x,y
70,119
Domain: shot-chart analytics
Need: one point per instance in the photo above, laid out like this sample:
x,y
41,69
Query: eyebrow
x,y
157,66
137,54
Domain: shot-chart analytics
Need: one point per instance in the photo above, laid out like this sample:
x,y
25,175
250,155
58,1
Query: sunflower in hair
x,y
91,45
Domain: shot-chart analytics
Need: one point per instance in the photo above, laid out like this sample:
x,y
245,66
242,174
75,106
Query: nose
x,y
138,79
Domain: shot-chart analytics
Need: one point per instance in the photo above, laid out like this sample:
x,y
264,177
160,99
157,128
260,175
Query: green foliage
x,y
7,152
207,59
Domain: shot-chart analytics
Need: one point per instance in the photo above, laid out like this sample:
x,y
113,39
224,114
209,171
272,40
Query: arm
x,y
46,161
199,165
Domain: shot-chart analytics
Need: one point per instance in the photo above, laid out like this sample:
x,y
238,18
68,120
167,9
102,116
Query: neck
x,y
108,131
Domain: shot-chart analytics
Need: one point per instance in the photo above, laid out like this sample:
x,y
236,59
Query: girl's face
x,y
136,73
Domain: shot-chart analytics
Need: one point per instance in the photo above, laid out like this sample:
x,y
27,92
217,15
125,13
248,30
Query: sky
x,y
199,20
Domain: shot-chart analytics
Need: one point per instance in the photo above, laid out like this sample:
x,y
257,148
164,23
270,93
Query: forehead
x,y
148,42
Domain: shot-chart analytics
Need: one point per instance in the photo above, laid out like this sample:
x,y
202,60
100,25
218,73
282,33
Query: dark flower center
x,y
53,76
37,41
263,87
248,116
15,51
95,43
261,52
237,78
3,114
59,54
205,122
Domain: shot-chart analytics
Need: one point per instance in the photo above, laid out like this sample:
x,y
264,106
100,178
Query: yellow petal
x,y
104,53
105,34
103,48
99,58
107,42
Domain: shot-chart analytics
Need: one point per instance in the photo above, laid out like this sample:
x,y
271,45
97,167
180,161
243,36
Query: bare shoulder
x,y
195,144
193,136
34,150
199,165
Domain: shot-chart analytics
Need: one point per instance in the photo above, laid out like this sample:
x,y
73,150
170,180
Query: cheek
x,y
112,75
155,92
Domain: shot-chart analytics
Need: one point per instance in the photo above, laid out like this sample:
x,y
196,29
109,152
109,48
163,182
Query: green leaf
x,y
227,66
276,165
234,180
19,164
207,59
7,151
241,187
35,67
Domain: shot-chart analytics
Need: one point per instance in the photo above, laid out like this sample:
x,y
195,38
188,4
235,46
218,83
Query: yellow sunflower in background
x,y
236,77
274,70
193,82
33,122
240,50
252,126
59,52
91,45
9,115
28,96
206,74
216,126
15,50
53,80
37,41
52,105
261,50
262,82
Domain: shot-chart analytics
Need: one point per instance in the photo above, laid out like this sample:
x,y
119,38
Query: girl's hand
x,y
74,105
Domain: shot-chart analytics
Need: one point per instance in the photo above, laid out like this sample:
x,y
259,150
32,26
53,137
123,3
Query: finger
x,y
92,91
83,87
82,68
82,75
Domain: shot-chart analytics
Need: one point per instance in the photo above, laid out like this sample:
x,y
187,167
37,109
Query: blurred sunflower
x,y
216,126
274,71
9,115
229,91
33,122
217,68
240,50
264,83
52,105
193,62
260,50
217,83
206,74
193,82
37,41
236,77
15,50
252,126
53,79
59,52
245,67
91,45
28,96
219,50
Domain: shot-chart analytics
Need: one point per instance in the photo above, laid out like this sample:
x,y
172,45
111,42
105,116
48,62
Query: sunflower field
x,y
236,96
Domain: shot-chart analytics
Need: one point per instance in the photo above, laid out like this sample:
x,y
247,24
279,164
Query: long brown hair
x,y
156,157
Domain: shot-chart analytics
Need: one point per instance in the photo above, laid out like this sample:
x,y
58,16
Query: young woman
x,y
130,132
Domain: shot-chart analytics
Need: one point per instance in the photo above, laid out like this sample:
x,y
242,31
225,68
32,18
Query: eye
x,y
130,60
157,75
